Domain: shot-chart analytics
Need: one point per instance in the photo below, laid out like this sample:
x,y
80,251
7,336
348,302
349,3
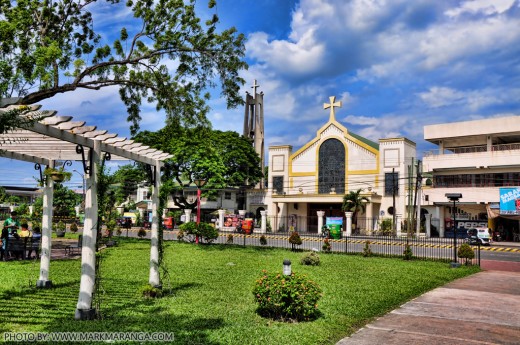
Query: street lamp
x,y
199,183
454,197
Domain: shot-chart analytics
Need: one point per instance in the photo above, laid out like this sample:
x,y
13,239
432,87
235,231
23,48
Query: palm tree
x,y
354,202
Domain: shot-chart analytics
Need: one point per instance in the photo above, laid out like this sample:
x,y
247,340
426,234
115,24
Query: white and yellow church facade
x,y
310,183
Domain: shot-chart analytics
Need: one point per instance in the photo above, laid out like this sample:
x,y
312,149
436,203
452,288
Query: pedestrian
x,y
36,239
12,223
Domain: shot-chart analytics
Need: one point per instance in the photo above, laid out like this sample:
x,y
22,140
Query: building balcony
x,y
473,157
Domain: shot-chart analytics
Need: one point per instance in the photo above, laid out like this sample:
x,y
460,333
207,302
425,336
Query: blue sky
x,y
397,65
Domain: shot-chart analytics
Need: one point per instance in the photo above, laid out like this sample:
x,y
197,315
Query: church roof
x,y
365,140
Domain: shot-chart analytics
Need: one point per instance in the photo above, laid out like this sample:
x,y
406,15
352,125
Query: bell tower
x,y
254,124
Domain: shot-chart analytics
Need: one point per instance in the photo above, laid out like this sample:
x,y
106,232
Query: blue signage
x,y
510,200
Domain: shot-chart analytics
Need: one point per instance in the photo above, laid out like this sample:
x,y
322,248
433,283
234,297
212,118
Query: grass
x,y
211,300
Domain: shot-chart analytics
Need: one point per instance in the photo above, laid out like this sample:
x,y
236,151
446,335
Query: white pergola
x,y
58,138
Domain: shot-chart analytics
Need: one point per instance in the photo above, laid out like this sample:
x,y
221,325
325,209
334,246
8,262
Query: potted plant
x,y
60,229
57,174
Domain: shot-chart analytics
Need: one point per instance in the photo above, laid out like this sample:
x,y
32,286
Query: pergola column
x,y
154,250
221,214
45,256
84,310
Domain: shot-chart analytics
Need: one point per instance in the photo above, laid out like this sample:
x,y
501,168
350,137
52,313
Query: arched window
x,y
331,173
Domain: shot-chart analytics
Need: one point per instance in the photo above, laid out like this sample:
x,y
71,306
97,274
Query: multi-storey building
x,y
481,160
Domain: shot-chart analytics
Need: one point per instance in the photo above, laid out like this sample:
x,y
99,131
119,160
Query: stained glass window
x,y
331,176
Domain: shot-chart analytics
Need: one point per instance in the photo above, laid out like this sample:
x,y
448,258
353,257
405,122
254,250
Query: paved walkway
x,y
481,309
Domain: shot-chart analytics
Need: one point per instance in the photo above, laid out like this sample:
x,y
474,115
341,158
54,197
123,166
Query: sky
x,y
396,65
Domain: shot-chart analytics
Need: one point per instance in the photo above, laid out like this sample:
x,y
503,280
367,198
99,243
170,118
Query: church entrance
x,y
331,210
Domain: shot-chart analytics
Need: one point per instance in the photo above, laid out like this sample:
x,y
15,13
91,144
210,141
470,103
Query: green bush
x,y
263,240
203,230
207,232
141,233
385,227
408,254
180,235
466,252
366,249
326,246
310,259
229,239
149,291
74,227
287,298
295,240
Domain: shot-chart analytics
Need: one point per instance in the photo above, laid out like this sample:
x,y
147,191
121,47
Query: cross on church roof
x,y
331,105
254,87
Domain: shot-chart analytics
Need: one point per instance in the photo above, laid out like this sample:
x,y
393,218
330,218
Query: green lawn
x,y
211,300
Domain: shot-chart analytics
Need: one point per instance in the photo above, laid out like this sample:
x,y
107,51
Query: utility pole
x,y
409,199
393,200
417,212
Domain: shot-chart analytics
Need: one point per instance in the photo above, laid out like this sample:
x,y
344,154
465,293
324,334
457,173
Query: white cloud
x,y
487,7
361,120
473,100
441,96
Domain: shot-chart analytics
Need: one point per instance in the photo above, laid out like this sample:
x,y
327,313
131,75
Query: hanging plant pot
x,y
57,177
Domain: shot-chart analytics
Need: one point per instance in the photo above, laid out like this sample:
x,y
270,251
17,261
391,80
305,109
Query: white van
x,y
476,235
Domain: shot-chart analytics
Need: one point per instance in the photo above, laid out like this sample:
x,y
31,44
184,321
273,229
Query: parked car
x,y
479,235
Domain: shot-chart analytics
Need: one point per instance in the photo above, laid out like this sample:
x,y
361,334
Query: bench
x,y
34,243
16,246
70,249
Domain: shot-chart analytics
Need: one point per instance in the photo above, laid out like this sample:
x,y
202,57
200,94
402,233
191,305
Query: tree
x,y
223,159
354,202
64,201
127,178
51,47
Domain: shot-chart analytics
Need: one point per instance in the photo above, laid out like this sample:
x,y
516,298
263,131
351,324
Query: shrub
x,y
326,246
74,227
180,235
263,240
466,252
407,254
287,298
366,250
204,230
310,259
61,227
268,226
229,239
149,291
141,233
207,232
386,227
295,240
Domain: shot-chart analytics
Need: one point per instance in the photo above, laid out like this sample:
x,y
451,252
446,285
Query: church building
x,y
310,182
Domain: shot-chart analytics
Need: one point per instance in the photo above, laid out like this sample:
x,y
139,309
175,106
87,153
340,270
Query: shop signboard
x,y
510,201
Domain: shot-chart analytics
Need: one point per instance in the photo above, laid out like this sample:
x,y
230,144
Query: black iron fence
x,y
440,249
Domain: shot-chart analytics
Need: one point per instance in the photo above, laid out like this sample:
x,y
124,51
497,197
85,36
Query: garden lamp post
x,y
454,197
199,183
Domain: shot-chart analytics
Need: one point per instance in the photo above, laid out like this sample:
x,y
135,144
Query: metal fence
x,y
440,249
